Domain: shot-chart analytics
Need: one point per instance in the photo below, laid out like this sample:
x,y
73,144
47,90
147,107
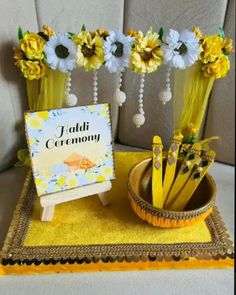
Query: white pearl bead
x,y
200,169
165,95
71,100
138,120
119,97
188,163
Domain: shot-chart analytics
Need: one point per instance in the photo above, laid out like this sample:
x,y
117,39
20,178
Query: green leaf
x,y
71,34
83,29
161,33
20,33
221,33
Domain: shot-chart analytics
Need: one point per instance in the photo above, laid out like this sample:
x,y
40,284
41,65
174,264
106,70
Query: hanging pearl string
x,y
168,71
119,96
68,85
70,98
95,87
139,119
120,80
165,95
141,91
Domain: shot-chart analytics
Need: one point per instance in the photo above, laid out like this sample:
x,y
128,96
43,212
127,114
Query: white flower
x,y
181,49
117,48
60,53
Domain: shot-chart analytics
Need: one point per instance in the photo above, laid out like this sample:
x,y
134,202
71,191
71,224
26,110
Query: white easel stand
x,y
48,202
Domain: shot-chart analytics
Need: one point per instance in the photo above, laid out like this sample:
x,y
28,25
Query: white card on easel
x,y
70,147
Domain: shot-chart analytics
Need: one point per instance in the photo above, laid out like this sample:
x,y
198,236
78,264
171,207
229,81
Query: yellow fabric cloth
x,y
192,91
47,92
87,222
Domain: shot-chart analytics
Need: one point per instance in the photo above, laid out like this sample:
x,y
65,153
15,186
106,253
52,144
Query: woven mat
x,y
85,236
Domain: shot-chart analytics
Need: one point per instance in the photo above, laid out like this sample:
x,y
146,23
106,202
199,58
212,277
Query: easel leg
x,y
103,199
47,213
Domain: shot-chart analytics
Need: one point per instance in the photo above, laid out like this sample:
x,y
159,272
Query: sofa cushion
x,y
12,85
221,112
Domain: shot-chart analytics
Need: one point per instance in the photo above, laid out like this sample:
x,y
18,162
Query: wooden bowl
x,y
140,196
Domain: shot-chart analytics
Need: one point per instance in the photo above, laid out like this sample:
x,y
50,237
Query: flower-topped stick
x,y
117,48
213,63
146,57
90,54
181,50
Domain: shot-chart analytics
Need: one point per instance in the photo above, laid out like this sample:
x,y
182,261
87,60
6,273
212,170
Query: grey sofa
x,y
67,15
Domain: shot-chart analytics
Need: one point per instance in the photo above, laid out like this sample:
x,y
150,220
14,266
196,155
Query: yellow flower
x,y
198,33
18,54
108,171
147,55
61,181
72,182
217,69
104,113
101,178
136,34
38,181
35,122
32,140
43,115
212,48
31,69
27,116
228,46
90,51
48,31
56,188
192,129
92,108
41,186
32,45
101,32
185,148
90,176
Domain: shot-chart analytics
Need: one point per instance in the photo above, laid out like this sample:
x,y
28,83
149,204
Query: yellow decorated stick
x,y
171,163
191,160
157,199
193,182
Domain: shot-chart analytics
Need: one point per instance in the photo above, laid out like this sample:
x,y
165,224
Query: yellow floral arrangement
x,y
213,63
49,56
214,53
30,54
